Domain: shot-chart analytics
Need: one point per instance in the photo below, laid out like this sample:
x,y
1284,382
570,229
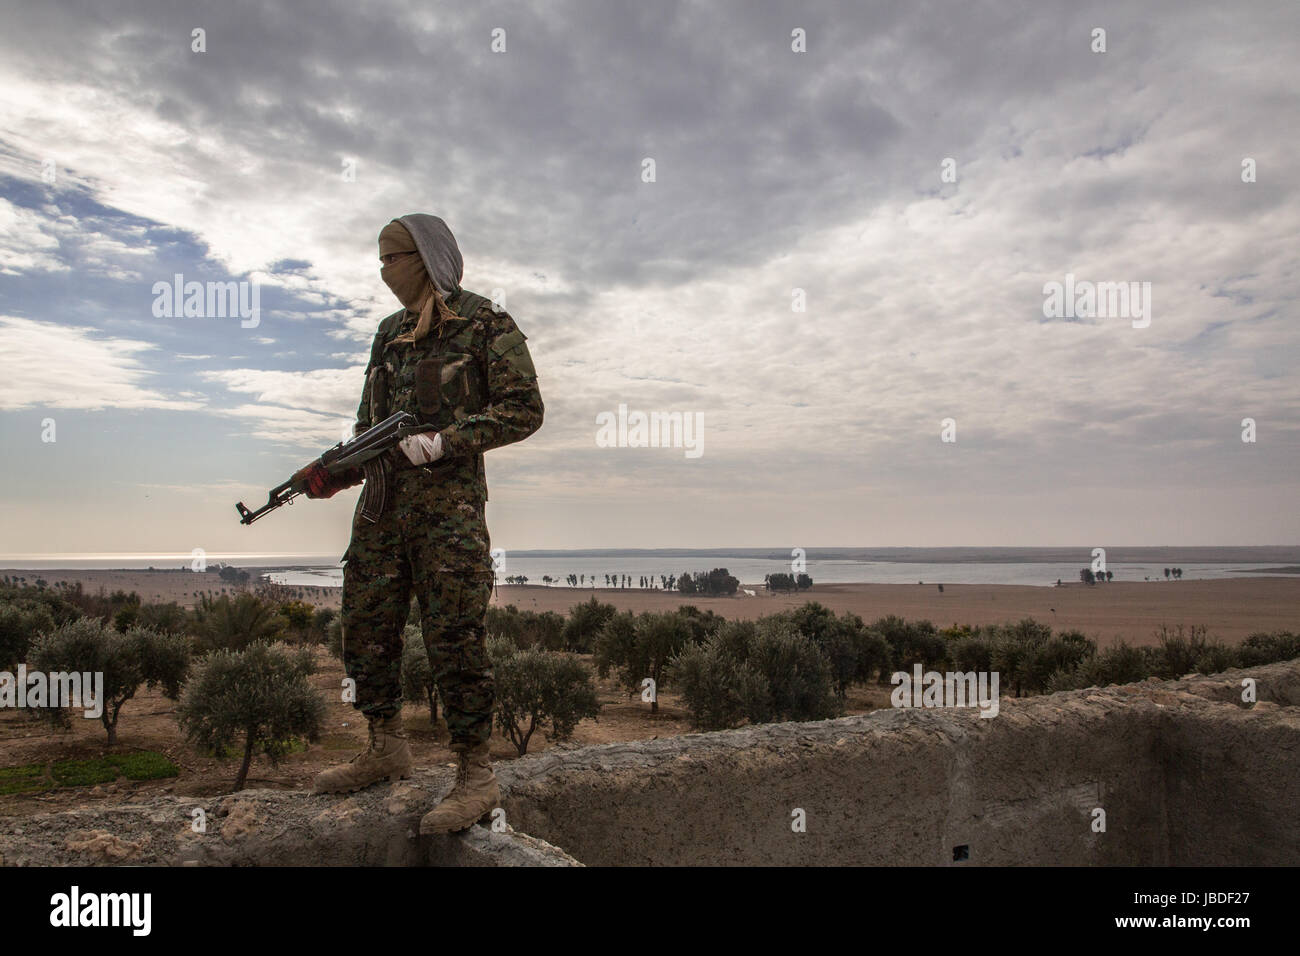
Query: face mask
x,y
408,279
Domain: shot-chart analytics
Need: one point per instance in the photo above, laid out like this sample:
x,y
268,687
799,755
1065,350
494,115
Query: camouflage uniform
x,y
473,380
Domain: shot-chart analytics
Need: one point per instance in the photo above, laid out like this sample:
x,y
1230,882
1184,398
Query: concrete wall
x,y
1185,773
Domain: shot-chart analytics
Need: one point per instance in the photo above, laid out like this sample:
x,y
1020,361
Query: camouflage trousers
x,y
430,542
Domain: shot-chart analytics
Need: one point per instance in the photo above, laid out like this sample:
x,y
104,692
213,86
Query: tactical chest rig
x,y
378,471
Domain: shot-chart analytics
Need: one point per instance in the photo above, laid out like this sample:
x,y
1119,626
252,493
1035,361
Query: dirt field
x,y
1231,609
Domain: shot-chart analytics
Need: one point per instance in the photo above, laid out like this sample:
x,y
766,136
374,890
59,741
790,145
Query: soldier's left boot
x,y
474,795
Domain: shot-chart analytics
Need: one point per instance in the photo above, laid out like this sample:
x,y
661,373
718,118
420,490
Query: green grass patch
x,y
140,765
22,779
145,765
84,773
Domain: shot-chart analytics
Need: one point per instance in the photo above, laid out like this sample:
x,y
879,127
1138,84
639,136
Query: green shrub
x,y
836,637
227,623
766,670
73,602
259,697
1266,648
527,628
1028,631
917,642
1121,664
641,647
1178,653
321,619
895,631
701,625
800,685
615,642
1022,656
972,654
586,620
53,600
126,661
736,638
546,630
875,657
168,618
1217,658
536,688
298,614
1068,680
501,621
1063,653
718,689
20,624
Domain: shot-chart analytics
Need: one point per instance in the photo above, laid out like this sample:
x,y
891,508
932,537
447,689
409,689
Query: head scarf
x,y
409,277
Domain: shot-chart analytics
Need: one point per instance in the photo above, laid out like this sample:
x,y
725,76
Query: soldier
x,y
463,369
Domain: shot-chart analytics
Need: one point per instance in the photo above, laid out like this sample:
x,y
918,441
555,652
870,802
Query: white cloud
x,y
292,426
300,408
24,244
59,366
328,390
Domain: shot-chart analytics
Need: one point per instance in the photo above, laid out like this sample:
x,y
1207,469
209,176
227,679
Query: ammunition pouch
x,y
428,387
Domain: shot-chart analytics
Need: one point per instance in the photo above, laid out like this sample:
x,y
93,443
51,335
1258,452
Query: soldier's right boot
x,y
387,758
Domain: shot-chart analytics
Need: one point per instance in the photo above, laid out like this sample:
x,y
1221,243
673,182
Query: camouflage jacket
x,y
472,380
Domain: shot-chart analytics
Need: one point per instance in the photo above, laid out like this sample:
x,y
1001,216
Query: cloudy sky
x,y
275,155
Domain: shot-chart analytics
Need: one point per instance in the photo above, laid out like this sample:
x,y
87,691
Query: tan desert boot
x,y
474,795
387,757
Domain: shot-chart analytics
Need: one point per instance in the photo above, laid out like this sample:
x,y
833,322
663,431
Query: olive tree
x,y
259,698
123,661
641,647
537,688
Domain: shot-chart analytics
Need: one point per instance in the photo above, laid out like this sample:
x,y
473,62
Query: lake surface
x,y
752,572
325,570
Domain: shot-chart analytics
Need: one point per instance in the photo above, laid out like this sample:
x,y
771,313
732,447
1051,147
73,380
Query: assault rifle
x,y
365,451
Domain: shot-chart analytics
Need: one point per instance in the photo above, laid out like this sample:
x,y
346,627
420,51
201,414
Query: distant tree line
x,y
787,582
713,583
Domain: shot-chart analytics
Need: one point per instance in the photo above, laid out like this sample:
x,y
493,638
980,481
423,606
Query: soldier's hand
x,y
314,478
319,483
422,448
